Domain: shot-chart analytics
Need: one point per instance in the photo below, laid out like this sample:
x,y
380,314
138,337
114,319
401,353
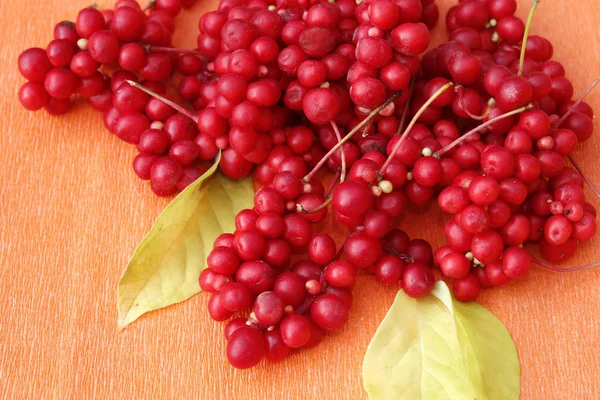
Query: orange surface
x,y
73,211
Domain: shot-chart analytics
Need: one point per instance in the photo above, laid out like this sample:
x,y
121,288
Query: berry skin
x,y
295,331
216,309
410,38
329,312
104,47
455,265
233,326
245,348
268,308
467,288
61,83
289,286
417,280
258,276
516,262
389,269
34,64
275,347
487,246
33,96
223,260
558,229
89,20
362,250
352,199
235,297
340,274
322,249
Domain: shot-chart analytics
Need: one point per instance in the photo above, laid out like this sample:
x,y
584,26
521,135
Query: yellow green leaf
x,y
438,348
165,267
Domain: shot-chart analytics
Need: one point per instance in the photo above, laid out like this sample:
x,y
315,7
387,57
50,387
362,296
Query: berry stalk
x,y
411,124
160,49
579,100
526,35
460,94
544,264
464,137
348,136
406,105
584,176
149,6
168,102
338,135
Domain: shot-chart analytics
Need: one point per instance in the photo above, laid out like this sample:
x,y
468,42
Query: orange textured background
x,y
72,212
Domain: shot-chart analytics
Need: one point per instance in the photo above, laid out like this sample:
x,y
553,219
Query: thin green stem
x,y
464,137
526,35
357,128
149,6
406,106
160,49
338,135
584,176
168,102
579,100
567,269
411,124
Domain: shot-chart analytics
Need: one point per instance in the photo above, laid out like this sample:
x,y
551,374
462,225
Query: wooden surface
x,y
72,212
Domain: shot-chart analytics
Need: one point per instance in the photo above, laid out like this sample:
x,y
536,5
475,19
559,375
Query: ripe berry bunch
x,y
482,123
496,177
95,56
503,180
252,58
294,303
70,63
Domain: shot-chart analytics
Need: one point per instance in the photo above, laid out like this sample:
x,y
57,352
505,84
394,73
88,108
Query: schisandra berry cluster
x,y
482,123
94,56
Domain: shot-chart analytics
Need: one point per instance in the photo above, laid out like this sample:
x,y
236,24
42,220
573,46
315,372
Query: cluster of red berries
x,y
93,58
504,181
282,88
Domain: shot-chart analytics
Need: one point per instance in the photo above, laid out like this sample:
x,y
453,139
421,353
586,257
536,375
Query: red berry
x,y
466,289
417,280
295,331
329,312
245,348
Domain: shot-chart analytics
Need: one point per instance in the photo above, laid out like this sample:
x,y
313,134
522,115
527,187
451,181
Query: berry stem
x,y
321,206
338,135
411,124
149,6
584,176
168,102
460,92
464,137
305,306
159,49
390,249
579,100
333,182
340,252
406,105
569,269
526,35
348,136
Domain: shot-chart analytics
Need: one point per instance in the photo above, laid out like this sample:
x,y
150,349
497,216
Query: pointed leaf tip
x,y
440,348
165,267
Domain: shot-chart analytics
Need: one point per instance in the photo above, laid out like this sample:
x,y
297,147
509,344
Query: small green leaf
x,y
438,348
165,267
